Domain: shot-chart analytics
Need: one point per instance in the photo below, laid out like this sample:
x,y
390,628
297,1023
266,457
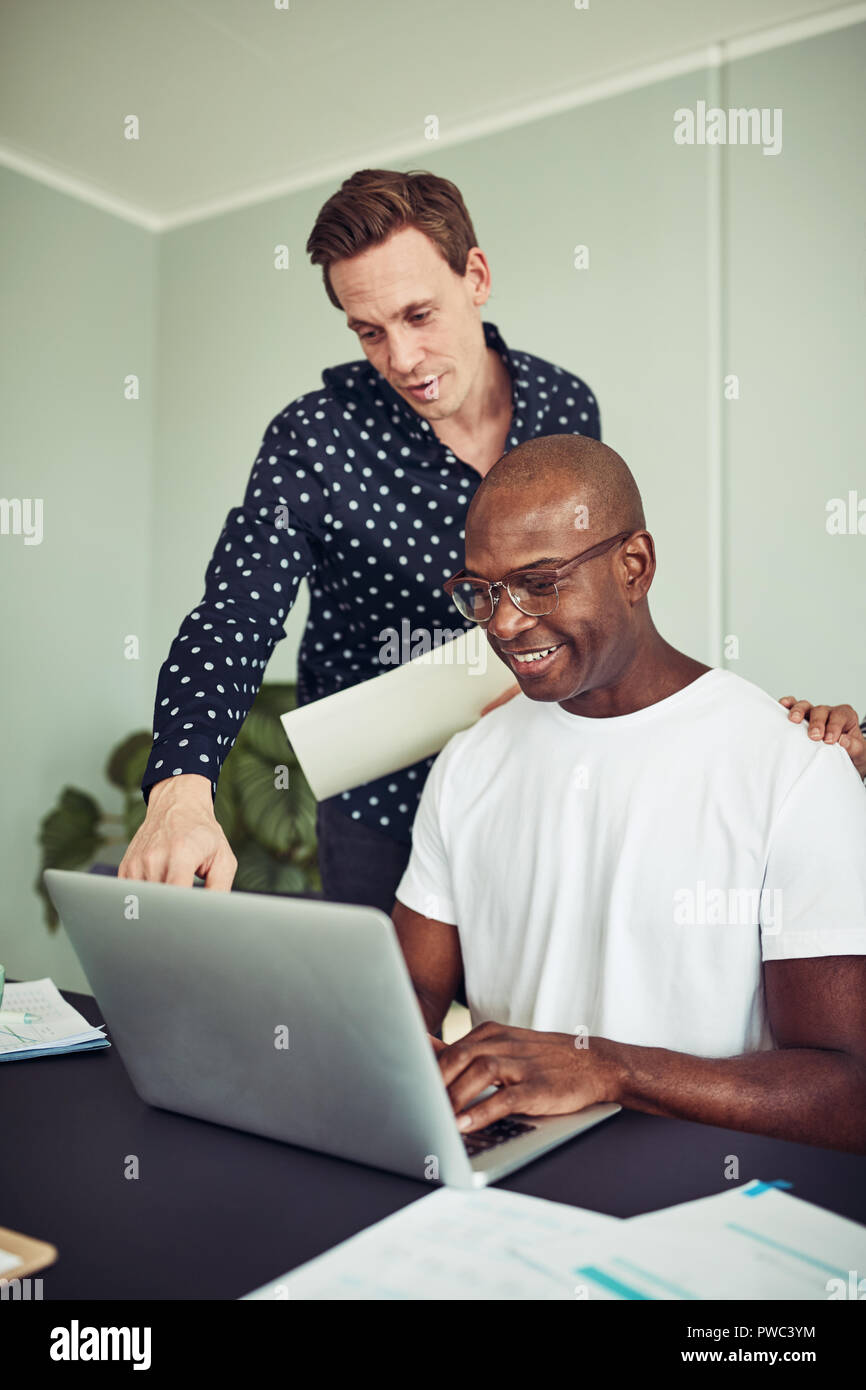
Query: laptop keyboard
x,y
497,1133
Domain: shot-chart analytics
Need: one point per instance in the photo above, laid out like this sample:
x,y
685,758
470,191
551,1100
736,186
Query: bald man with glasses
x,y
650,884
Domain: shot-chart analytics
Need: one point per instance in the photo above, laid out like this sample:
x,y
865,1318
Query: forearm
x,y
811,1095
431,950
432,1008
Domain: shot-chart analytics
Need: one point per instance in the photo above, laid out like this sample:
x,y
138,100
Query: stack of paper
x,y
751,1242
42,1023
454,1244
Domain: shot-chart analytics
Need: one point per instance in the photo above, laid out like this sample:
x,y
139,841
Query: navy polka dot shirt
x,y
353,490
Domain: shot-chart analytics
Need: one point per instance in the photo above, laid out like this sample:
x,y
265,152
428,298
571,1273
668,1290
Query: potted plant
x,y
263,803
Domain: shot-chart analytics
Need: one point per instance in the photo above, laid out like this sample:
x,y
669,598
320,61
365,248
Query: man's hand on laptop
x,y
180,837
536,1073
833,724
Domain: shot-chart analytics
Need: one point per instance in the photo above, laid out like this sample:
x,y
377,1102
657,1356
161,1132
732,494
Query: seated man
x,y
653,883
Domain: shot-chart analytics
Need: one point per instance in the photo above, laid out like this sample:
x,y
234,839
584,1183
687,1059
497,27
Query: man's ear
x,y
639,559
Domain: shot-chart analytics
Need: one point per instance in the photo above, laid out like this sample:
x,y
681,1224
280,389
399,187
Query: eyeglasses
x,y
533,591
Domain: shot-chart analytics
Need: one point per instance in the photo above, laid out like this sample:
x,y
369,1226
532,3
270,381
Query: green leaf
x,y
225,806
69,837
259,872
276,698
126,764
264,735
305,849
70,829
267,811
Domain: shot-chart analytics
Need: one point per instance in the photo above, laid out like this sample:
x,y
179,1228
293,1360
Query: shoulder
x,y
473,754
298,440
733,701
346,383
763,741
343,389
729,691
559,400
558,378
303,416
569,398
305,425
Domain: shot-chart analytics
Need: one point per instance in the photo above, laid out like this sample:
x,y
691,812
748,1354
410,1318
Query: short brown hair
x,y
373,203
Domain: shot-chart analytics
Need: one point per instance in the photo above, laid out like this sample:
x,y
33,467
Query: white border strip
x,y
711,55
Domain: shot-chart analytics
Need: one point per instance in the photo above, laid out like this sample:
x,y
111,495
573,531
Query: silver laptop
x,y
287,1017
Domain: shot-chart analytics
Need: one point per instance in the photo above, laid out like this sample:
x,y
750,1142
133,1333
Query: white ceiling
x,y
238,100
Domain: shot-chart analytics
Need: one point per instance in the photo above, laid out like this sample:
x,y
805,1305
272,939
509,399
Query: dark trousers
x,y
360,864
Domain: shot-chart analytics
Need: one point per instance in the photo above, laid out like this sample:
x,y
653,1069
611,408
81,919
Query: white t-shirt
x,y
627,876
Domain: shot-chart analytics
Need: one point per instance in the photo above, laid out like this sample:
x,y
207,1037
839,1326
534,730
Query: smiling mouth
x,y
536,659
429,385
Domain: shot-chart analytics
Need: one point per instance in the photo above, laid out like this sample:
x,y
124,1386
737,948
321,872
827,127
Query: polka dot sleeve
x,y
216,662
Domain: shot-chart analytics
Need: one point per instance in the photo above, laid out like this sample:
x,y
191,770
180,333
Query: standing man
x,y
375,471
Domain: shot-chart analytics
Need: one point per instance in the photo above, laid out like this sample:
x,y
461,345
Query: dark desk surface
x,y
215,1213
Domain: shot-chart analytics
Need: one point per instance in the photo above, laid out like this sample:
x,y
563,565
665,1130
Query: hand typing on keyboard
x,y
497,1133
499,1071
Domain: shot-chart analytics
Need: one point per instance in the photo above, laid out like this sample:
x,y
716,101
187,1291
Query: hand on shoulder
x,y
832,723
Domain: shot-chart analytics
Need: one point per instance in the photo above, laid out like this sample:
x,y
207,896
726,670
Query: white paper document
x,y
8,1261
50,1025
453,1244
397,718
752,1242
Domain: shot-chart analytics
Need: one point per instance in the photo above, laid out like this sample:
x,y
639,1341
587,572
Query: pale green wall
x,y
796,252
235,340
77,303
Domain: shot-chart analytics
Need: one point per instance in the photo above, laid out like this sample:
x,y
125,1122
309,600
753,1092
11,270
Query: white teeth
x,y
533,656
